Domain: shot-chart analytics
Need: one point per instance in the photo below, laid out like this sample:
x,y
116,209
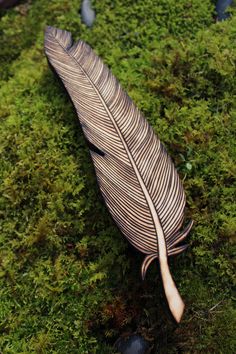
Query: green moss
x,y
69,282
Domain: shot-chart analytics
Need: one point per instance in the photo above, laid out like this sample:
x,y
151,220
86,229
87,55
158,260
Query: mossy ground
x,y
69,282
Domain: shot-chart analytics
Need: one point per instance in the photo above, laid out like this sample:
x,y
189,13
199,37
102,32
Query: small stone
x,y
221,7
87,13
5,4
133,344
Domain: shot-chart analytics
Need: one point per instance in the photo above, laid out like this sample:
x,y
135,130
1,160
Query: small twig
x,y
212,308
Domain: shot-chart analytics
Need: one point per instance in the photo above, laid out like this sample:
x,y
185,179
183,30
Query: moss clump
x,y
69,283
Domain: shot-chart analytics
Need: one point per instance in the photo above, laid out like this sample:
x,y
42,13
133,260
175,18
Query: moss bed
x,y
69,281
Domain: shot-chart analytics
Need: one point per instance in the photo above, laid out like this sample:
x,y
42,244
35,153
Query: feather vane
x,y
137,178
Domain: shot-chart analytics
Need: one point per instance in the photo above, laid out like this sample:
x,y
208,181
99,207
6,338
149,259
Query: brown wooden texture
x,y
137,178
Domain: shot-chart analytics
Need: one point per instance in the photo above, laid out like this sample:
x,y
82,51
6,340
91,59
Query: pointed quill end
x,y
177,309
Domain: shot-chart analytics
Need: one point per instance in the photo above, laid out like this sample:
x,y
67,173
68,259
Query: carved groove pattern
x,y
137,178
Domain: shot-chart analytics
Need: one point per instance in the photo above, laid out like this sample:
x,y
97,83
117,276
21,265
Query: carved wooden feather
x,y
137,178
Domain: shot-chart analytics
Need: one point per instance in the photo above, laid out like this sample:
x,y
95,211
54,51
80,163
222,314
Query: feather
x,y
137,178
